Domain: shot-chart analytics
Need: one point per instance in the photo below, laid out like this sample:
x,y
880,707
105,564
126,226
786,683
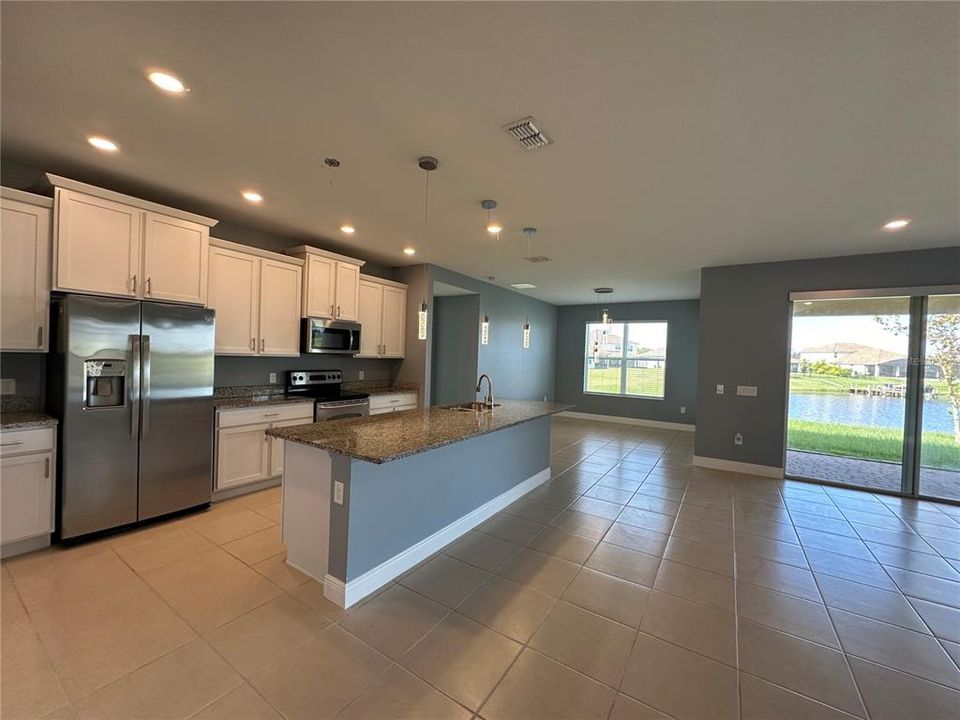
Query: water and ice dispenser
x,y
104,383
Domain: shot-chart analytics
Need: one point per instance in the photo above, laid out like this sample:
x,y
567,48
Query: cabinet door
x,y
319,280
26,496
348,291
97,245
233,293
369,315
279,308
175,256
243,455
24,276
394,321
276,445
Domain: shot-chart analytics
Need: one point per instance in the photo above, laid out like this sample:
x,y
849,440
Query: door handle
x,y
145,425
135,387
134,281
40,336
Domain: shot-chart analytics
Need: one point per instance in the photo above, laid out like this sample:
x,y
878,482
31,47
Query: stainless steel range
x,y
331,402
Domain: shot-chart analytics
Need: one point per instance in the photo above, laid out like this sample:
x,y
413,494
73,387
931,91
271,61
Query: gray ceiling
x,y
687,134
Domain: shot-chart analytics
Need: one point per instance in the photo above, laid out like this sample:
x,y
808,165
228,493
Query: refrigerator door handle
x,y
135,387
145,392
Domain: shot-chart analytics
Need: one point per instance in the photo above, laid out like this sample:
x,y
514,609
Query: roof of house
x,y
840,347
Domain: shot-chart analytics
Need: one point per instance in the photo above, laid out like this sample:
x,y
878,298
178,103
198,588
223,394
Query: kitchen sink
x,y
474,407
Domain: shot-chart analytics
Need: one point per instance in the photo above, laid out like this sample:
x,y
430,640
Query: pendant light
x,y
493,227
526,334
603,318
428,164
485,330
422,322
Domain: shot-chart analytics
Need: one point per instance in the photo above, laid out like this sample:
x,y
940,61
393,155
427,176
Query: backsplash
x,y
256,370
28,371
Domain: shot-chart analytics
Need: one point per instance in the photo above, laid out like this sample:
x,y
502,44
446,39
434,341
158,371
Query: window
x,y
628,359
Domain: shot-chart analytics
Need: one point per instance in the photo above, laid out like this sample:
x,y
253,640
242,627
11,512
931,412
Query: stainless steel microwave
x,y
334,337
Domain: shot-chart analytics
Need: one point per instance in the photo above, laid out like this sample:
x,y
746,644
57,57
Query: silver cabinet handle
x,y
145,401
147,289
11,444
331,310
270,414
46,467
253,344
262,341
134,281
40,336
338,311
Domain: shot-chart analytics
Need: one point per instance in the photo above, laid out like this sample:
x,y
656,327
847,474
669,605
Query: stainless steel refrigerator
x,y
132,384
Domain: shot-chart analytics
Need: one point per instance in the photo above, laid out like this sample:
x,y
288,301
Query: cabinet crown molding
x,y
250,250
374,280
26,197
304,250
77,186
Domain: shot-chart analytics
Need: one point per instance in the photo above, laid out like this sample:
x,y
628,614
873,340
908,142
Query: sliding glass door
x,y
874,392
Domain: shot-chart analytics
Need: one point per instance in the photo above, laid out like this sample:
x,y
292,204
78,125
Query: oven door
x,y
340,409
333,337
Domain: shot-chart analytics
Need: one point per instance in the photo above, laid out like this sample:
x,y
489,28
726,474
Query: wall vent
x,y
526,132
537,259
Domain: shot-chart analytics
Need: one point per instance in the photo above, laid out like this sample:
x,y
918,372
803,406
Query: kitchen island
x,y
365,499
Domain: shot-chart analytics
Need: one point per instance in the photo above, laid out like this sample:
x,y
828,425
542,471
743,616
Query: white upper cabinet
x,y
175,256
233,293
331,283
279,300
394,326
24,270
111,244
382,314
256,295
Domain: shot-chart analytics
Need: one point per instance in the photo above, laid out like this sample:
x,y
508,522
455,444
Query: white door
x,y
243,455
97,245
26,496
320,279
370,314
279,308
348,291
24,276
276,444
394,321
233,293
175,256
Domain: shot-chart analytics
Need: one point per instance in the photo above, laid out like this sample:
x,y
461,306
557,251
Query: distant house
x,y
606,343
860,360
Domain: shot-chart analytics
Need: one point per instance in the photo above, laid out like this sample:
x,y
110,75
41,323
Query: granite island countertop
x,y
26,420
383,438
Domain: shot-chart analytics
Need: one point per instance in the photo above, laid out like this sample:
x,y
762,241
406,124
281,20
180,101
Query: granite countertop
x,y
24,420
253,401
382,438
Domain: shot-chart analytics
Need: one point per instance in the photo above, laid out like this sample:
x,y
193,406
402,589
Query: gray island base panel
x,y
387,517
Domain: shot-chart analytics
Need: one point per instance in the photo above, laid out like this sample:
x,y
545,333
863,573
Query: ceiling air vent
x,y
537,258
527,133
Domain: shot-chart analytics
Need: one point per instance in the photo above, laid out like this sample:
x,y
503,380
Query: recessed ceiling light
x,y
896,224
348,229
167,82
252,196
409,251
493,228
102,143
523,286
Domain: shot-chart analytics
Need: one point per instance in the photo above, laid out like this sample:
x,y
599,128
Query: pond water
x,y
867,410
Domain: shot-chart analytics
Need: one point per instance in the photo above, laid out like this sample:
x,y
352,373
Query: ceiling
x,y
686,134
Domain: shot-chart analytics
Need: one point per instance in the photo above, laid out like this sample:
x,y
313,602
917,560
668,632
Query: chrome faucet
x,y
489,401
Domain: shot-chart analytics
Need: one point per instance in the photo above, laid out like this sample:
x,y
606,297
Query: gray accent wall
x,y
680,382
388,508
745,318
454,363
256,370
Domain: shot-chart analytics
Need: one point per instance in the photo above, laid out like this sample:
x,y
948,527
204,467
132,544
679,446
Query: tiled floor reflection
x,y
631,585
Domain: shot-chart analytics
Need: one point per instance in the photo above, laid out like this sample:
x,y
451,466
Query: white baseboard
x,y
347,594
663,424
741,467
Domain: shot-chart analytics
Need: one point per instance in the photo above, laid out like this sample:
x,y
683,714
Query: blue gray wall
x,y
454,364
680,382
744,338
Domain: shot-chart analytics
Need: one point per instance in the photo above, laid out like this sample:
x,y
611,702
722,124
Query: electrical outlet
x,y
338,492
738,439
683,409
8,386
360,374
273,378
747,390
719,389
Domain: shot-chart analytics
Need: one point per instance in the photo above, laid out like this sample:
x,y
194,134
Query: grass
x,y
640,381
827,384
939,449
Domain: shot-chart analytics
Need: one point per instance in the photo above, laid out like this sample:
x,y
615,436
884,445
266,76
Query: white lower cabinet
x,y
27,475
245,454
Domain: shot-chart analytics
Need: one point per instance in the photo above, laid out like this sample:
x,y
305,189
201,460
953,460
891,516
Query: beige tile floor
x,y
632,585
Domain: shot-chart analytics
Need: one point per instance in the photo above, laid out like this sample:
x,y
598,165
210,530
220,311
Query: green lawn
x,y
640,381
828,384
939,449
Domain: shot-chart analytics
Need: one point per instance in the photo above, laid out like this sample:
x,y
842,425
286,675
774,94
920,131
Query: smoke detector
x,y
527,133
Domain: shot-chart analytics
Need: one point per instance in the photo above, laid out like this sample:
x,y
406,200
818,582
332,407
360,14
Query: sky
x,y
863,329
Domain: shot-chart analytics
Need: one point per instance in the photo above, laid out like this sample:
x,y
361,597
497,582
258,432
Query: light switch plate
x,y
273,378
338,492
8,386
719,389
683,409
360,375
747,390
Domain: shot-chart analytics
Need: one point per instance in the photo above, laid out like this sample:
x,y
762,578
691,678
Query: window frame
x,y
623,359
